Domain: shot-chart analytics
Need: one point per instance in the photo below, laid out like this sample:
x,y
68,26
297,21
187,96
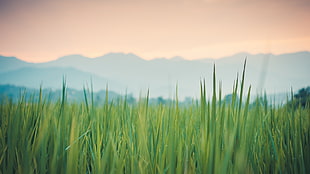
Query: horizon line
x,y
155,58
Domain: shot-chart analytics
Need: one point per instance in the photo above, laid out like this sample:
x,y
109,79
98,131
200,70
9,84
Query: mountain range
x,y
129,73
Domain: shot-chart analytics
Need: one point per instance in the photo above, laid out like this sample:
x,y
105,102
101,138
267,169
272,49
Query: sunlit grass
x,y
208,136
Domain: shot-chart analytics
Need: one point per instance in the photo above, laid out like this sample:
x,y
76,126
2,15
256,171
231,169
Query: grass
x,y
208,136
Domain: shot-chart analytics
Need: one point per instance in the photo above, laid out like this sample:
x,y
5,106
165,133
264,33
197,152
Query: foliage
x,y
303,97
118,137
13,93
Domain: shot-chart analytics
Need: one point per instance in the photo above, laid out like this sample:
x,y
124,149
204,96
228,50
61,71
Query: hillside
x,y
128,72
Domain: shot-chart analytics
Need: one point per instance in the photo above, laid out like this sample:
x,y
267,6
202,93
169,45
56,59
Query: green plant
x,y
210,136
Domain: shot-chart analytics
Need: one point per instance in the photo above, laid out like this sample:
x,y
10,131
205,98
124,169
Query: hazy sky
x,y
41,30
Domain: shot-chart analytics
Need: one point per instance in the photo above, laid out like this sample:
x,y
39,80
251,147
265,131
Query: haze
x,y
43,30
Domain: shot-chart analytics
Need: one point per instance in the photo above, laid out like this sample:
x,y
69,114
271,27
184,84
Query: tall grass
x,y
209,136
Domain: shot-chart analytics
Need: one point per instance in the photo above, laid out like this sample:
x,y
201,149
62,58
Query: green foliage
x,y
118,137
300,99
13,93
303,97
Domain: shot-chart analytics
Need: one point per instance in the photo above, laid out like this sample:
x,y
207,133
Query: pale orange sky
x,y
42,30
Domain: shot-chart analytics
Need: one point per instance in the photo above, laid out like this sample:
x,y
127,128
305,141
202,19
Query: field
x,y
207,136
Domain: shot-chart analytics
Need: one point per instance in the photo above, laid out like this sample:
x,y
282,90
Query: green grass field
x,y
207,136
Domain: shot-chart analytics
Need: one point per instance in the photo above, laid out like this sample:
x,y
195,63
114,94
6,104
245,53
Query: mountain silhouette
x,y
129,72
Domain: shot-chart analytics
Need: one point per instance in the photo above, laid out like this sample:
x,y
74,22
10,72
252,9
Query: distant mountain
x,y
11,63
265,72
53,77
